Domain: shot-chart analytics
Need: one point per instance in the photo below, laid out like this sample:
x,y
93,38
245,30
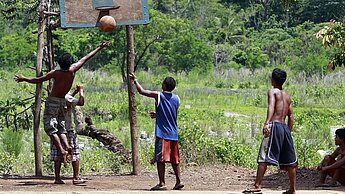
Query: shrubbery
x,y
219,119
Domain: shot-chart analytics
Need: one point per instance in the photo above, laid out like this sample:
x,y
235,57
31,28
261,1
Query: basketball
x,y
107,23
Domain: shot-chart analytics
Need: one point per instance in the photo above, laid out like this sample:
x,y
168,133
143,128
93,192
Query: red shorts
x,y
166,151
331,172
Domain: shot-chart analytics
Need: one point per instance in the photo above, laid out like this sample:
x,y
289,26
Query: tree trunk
x,y
131,100
38,95
287,19
109,141
50,51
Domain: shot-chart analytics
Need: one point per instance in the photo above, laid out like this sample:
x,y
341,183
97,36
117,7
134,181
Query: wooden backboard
x,y
81,13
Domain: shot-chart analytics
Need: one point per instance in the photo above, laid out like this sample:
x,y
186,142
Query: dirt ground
x,y
195,178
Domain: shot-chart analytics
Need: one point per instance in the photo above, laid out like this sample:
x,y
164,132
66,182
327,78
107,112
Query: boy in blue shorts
x,y
166,130
277,145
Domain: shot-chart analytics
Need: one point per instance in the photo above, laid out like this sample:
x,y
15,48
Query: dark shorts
x,y
55,155
331,172
54,117
277,148
166,151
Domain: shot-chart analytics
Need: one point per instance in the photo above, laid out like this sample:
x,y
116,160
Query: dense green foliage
x,y
183,35
221,53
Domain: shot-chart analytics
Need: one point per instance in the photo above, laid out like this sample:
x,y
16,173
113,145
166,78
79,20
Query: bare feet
x,y
159,187
327,185
253,189
78,180
289,192
178,186
58,181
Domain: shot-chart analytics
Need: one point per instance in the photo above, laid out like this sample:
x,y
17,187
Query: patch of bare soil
x,y
210,178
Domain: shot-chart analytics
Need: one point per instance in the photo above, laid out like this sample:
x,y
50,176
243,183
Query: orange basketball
x,y
107,23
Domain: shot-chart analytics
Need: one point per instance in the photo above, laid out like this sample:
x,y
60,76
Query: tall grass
x,y
220,116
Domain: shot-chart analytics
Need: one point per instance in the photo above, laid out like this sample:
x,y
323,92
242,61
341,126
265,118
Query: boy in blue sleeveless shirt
x,y
166,130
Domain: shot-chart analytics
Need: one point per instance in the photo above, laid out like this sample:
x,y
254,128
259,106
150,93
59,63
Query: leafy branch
x,y
333,35
15,112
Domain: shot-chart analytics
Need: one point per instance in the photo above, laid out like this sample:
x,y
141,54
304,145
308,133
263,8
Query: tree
x,y
22,12
186,52
17,49
333,35
251,58
321,10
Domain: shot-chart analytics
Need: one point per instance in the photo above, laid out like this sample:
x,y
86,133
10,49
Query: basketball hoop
x,y
73,14
104,5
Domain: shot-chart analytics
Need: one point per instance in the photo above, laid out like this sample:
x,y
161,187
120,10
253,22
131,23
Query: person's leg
x,y
57,169
175,163
56,141
161,173
178,185
341,176
63,138
76,178
336,176
292,178
260,172
323,174
75,166
159,153
176,169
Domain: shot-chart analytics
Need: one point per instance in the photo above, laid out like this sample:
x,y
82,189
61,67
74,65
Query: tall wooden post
x,y
38,96
131,100
50,50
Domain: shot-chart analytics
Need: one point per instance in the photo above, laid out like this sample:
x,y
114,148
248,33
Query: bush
x,y
12,141
6,162
311,64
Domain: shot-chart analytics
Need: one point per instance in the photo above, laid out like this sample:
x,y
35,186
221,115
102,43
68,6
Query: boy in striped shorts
x,y
72,108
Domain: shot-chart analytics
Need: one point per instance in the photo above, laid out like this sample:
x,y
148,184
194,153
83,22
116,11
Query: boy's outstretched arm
x,y
35,80
76,66
141,90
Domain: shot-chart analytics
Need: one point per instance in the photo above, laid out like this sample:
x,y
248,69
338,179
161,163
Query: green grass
x,y
220,117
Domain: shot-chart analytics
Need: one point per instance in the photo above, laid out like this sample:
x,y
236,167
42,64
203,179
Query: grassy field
x,y
220,117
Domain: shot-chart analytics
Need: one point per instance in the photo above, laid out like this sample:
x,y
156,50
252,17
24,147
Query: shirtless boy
x,y
277,145
334,164
55,105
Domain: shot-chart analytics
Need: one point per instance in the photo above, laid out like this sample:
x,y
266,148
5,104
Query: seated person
x,y
334,164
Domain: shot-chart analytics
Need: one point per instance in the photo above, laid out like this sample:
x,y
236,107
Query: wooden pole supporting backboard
x,y
131,100
50,46
38,96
